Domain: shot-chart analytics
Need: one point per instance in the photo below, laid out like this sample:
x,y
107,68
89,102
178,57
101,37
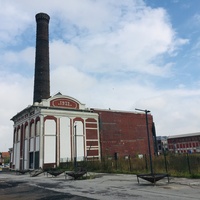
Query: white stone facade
x,y
54,131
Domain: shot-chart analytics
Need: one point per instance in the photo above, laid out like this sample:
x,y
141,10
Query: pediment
x,y
63,101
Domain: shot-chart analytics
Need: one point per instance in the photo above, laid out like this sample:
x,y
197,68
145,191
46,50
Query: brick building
x,y
60,128
162,144
123,132
4,156
185,143
56,129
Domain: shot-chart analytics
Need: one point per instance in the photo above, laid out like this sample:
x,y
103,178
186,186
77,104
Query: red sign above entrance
x,y
64,103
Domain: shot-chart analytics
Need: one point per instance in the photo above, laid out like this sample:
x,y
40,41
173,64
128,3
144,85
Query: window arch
x,y
37,127
32,128
26,130
18,134
15,135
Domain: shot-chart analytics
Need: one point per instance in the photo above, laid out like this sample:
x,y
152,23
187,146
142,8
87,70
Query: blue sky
x,y
107,54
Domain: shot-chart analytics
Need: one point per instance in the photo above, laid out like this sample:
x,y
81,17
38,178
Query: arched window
x,y
37,128
26,131
15,135
18,135
32,129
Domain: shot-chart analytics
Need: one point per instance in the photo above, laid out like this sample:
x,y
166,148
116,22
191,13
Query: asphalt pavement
x,y
97,186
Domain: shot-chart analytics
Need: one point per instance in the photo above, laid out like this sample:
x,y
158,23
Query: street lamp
x,y
147,126
75,149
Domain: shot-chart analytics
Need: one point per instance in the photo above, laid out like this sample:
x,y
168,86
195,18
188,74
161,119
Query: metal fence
x,y
173,164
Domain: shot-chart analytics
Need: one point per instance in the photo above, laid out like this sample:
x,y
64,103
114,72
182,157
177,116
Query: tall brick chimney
x,y
42,77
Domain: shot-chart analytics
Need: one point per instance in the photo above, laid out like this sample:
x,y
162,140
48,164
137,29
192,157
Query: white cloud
x,y
132,43
16,94
20,61
10,15
70,80
63,54
174,111
196,19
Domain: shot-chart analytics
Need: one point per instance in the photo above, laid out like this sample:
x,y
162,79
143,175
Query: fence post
x,y
67,164
116,158
129,161
146,165
188,162
166,169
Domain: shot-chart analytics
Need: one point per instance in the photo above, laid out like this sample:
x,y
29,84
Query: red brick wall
x,y
124,133
92,143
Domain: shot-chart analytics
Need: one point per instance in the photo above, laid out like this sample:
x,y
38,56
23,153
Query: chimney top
x,y
41,16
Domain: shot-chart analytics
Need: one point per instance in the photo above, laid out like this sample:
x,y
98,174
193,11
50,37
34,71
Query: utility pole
x,y
149,147
75,149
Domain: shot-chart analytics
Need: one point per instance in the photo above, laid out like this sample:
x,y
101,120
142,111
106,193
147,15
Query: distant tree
x,y
6,160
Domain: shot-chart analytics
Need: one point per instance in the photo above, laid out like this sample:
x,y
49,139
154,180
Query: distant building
x,y
11,156
185,143
162,144
4,156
